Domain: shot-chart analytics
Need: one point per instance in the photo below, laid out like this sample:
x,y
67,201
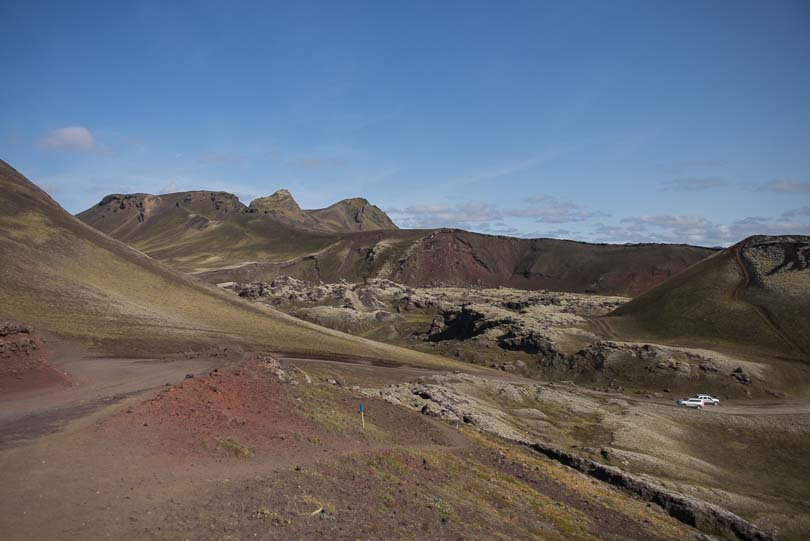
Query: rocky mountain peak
x,y
354,202
281,201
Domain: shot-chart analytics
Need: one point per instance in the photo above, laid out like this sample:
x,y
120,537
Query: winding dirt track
x,y
760,310
601,326
97,382
102,381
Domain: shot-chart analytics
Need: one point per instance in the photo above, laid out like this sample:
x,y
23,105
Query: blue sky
x,y
599,121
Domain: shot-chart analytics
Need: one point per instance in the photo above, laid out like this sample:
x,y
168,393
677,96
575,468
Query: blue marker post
x,y
362,418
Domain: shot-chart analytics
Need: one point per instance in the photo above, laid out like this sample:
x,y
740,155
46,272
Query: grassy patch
x,y
233,447
314,504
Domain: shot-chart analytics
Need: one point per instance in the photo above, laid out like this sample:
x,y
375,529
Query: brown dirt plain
x,y
247,449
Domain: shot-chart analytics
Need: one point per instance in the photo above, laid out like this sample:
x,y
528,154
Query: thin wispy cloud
x,y
554,212
558,233
508,168
71,138
687,166
222,158
784,186
498,228
801,211
459,216
316,163
171,187
692,184
544,208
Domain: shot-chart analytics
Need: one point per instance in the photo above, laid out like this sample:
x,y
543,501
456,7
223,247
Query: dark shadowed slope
x,y
63,276
214,235
754,296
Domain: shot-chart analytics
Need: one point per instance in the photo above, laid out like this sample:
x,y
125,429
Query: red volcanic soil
x,y
454,257
230,410
255,408
23,359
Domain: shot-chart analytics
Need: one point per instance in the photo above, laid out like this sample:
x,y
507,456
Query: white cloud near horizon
x,y
75,138
460,216
479,215
552,211
693,229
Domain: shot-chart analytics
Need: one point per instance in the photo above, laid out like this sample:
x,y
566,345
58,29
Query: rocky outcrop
x,y
508,330
488,326
121,215
695,512
519,339
133,204
769,256
355,214
21,351
281,201
10,327
615,359
463,323
740,375
454,398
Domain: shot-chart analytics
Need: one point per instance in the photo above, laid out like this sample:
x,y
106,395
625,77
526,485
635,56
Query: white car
x,y
691,403
708,400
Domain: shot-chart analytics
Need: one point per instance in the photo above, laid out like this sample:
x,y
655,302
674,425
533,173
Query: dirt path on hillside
x,y
281,264
748,408
99,381
760,310
95,381
603,328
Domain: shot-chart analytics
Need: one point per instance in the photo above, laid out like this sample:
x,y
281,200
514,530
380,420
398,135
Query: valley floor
x,y
228,445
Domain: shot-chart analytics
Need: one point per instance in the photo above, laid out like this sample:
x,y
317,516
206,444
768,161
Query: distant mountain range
x,y
214,235
122,214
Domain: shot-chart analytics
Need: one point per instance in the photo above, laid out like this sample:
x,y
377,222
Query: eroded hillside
x,y
64,277
752,296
